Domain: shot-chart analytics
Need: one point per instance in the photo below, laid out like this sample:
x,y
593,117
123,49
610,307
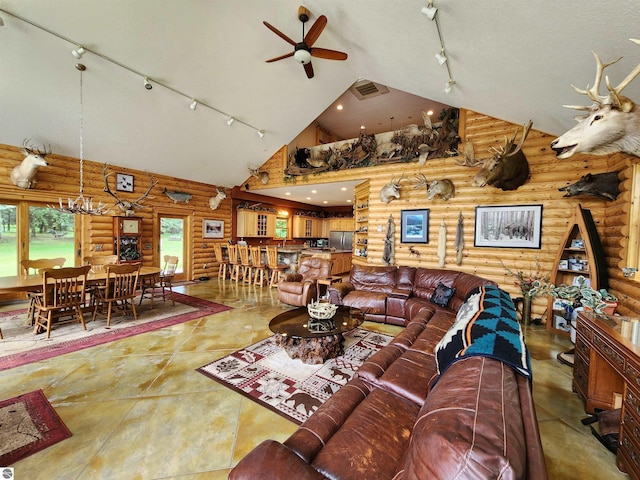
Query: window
x,y
282,227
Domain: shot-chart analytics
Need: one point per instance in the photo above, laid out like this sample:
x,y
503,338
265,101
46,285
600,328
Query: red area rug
x,y
264,373
28,424
21,347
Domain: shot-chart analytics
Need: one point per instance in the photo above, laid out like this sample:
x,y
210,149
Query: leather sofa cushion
x,y
427,279
464,284
405,277
373,278
373,303
473,420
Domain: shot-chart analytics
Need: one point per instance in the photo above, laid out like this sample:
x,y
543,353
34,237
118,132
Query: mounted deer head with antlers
x,y
24,175
391,190
214,202
612,123
125,205
262,176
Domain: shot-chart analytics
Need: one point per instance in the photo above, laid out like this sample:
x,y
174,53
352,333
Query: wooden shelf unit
x,y
361,219
580,254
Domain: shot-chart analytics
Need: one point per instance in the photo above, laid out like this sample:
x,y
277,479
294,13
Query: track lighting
x,y
1,22
230,121
147,84
430,11
260,133
441,57
78,52
193,105
448,85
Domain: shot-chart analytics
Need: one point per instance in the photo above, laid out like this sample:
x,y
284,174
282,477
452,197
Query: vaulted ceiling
x,y
513,60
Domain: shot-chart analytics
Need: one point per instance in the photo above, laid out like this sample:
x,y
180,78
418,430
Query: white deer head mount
x,y
214,202
612,123
24,175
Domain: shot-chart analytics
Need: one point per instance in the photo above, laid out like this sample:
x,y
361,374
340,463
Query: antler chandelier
x,y
82,205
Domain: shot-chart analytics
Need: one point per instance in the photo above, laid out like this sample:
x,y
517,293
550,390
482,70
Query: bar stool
x,y
274,267
245,263
224,263
259,267
234,262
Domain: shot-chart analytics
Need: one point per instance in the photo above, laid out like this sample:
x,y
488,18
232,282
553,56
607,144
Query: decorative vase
x,y
526,310
610,309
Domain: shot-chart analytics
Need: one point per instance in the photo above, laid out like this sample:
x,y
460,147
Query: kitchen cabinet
x,y
336,225
307,227
255,224
127,239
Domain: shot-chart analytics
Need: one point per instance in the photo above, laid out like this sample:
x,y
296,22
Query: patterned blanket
x,y
486,325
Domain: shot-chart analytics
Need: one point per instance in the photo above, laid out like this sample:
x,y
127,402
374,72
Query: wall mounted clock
x,y
124,182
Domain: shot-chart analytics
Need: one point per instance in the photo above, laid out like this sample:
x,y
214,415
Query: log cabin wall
x,y
61,179
547,175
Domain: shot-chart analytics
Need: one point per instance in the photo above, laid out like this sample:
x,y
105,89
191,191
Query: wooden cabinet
x,y
255,224
606,376
127,239
307,227
341,224
580,254
341,263
361,216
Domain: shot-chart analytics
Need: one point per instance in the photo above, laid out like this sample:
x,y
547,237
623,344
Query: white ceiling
x,y
513,60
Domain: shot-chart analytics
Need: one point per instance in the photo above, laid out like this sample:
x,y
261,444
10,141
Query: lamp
x,y
430,11
193,105
230,121
441,57
147,84
449,85
82,205
260,133
302,56
78,52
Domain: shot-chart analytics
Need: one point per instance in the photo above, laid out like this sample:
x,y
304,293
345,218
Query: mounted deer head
x,y
125,205
23,175
612,124
262,176
391,190
214,202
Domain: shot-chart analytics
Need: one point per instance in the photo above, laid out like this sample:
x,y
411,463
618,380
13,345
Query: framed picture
x,y
213,228
577,243
414,226
124,182
513,226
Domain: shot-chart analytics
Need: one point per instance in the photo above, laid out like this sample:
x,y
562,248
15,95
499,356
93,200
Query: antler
x,y
422,181
508,149
107,189
29,149
468,156
152,183
124,204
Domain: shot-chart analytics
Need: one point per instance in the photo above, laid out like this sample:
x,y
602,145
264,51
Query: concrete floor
x,y
138,409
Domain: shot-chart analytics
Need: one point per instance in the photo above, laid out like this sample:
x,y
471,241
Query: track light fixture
x,y
78,52
193,105
449,85
1,22
230,121
441,57
260,133
147,84
430,11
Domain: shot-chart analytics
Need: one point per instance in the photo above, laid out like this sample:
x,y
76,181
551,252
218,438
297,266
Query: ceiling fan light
x,y
430,11
302,56
78,52
441,57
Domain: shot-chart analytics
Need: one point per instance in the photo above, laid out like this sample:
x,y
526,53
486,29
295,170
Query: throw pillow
x,y
442,295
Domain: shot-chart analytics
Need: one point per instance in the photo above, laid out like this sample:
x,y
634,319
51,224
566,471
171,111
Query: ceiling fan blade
x,y
328,54
279,33
315,31
308,68
286,55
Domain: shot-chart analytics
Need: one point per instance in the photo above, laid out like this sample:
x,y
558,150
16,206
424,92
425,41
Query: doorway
x,y
173,233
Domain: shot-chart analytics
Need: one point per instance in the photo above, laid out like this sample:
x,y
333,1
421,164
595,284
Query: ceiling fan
x,y
304,50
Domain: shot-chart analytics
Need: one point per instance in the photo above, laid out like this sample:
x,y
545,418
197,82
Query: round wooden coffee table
x,y
314,341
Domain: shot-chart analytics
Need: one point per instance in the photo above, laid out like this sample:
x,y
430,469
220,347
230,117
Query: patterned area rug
x,y
20,346
28,424
264,373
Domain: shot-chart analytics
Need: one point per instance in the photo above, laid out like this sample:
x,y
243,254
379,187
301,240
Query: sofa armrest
x,y
291,277
272,461
338,291
397,293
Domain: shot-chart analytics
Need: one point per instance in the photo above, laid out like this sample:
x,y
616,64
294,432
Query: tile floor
x,y
139,410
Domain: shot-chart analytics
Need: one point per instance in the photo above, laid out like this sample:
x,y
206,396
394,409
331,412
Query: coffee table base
x,y
312,351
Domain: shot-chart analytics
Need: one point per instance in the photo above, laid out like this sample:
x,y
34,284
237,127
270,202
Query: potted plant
x,y
610,300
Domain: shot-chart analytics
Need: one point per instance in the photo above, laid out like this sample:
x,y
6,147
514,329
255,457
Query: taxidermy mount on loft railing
x,y
412,143
612,123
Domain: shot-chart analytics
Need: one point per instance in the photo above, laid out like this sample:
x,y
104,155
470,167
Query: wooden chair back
x,y
217,251
122,281
98,263
233,254
170,267
40,264
243,250
256,257
272,257
64,287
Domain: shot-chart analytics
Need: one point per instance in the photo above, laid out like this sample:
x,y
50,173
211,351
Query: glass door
x,y
8,241
173,242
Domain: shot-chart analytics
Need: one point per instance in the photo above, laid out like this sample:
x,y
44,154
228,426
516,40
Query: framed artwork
x,y
512,226
414,226
213,228
124,182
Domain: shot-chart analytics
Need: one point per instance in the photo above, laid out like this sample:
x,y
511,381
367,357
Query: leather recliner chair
x,y
301,288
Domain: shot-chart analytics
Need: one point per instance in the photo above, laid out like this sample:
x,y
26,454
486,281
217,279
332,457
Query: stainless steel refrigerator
x,y
341,240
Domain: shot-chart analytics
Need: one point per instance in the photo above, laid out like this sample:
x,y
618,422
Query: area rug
x,y
264,373
28,424
20,346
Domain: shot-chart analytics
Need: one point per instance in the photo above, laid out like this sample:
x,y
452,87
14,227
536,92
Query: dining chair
x,y
274,267
259,267
120,289
63,291
224,262
164,282
234,262
38,266
245,263
97,263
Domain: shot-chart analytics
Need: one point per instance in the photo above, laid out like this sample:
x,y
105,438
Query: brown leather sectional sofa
x,y
388,422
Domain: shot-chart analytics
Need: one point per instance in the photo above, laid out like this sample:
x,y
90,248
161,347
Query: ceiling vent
x,y
366,89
